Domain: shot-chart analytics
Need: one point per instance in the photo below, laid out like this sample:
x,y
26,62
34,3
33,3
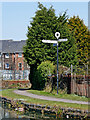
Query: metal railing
x,y
14,75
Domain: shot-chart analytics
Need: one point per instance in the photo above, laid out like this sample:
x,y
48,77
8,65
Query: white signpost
x,y
57,35
49,41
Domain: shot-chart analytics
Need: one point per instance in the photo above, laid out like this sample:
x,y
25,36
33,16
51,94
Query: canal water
x,y
10,114
30,115
7,113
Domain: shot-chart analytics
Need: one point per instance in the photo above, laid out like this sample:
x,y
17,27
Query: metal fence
x,y
14,75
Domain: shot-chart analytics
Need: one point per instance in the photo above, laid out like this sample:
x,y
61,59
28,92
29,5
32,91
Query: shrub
x,y
40,75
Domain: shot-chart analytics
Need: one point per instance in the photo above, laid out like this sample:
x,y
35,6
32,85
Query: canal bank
x,y
44,110
7,113
48,98
55,110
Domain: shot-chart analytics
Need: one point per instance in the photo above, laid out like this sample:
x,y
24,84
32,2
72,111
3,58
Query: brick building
x,y
12,62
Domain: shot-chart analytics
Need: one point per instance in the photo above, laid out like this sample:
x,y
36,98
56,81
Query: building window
x,y
0,64
19,54
7,55
20,66
0,54
7,65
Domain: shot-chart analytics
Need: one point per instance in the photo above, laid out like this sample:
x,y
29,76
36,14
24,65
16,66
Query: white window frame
x,y
19,54
6,65
7,55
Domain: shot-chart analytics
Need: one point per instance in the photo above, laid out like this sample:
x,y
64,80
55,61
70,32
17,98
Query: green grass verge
x,y
63,96
8,93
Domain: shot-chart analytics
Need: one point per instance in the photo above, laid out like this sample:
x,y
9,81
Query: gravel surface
x,y
25,93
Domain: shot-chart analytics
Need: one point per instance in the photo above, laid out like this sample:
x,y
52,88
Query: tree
x,y
40,77
43,26
46,69
81,36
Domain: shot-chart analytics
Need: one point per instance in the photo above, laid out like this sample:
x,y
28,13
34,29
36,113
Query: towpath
x,y
25,93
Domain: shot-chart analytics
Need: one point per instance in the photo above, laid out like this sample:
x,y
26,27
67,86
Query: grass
x,y
62,95
8,93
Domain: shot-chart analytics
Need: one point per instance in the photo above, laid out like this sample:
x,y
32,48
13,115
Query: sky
x,y
15,16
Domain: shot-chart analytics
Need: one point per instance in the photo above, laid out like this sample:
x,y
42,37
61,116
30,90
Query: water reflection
x,y
30,115
5,113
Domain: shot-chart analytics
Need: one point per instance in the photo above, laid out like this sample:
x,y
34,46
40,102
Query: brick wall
x,y
7,60
13,61
15,84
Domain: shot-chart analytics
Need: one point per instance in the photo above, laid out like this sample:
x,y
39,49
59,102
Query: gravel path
x,y
25,93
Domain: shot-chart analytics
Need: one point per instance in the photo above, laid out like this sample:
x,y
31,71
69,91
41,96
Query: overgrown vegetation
x,y
81,35
43,26
60,95
44,78
11,95
40,78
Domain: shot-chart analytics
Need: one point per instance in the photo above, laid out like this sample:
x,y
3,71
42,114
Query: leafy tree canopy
x,y
46,68
81,35
41,75
43,26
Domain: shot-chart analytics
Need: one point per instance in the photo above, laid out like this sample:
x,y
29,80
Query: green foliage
x,y
40,75
37,82
81,36
8,93
46,68
43,26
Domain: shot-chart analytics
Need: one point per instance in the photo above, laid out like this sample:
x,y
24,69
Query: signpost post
x,y
57,35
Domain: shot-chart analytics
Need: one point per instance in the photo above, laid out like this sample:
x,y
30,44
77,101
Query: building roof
x,y
10,46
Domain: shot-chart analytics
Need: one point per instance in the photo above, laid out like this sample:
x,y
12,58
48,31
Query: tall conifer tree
x,y
43,26
81,36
